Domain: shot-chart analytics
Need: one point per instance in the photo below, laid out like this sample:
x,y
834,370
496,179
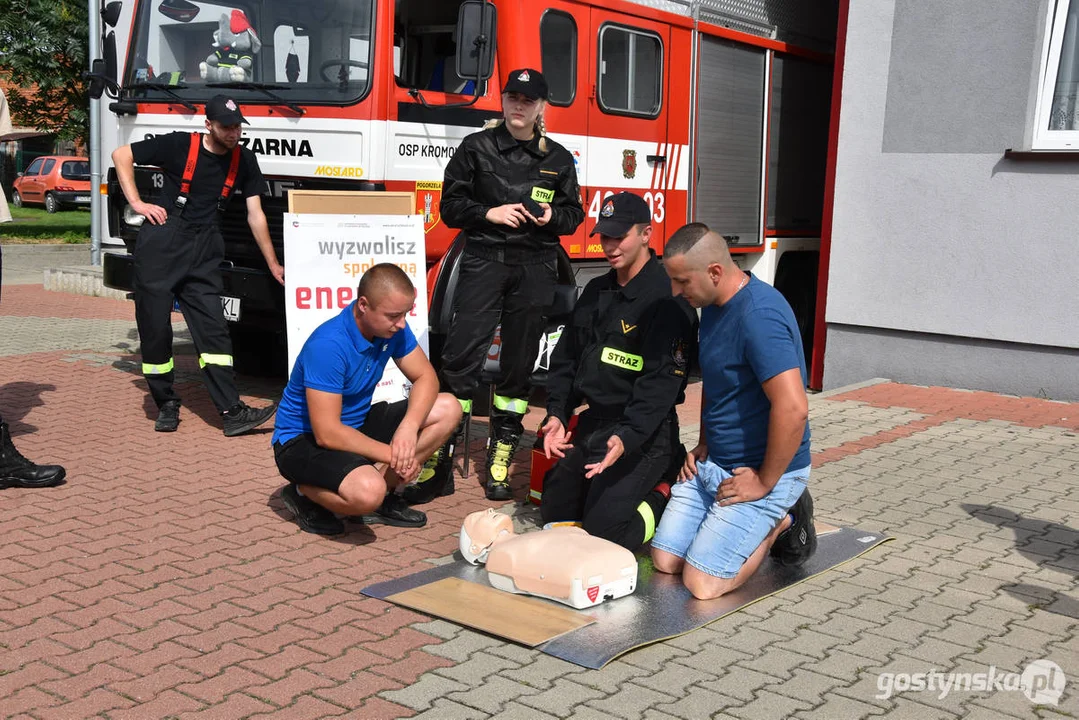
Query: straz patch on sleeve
x,y
542,195
624,360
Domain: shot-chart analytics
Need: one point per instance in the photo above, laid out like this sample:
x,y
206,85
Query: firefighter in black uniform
x,y
179,250
514,192
627,355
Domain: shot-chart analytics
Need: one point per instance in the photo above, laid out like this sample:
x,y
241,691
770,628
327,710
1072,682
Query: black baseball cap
x,y
620,213
224,110
528,82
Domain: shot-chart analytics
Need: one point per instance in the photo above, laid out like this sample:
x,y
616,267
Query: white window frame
x,y
1043,137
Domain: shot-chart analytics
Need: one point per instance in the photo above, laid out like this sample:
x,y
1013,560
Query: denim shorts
x,y
717,539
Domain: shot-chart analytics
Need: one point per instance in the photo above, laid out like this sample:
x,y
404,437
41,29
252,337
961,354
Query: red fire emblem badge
x,y
629,164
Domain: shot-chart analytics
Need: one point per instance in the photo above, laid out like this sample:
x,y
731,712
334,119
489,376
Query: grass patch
x,y
34,225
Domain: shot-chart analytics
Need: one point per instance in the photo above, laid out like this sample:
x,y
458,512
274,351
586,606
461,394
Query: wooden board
x,y
824,528
351,202
519,618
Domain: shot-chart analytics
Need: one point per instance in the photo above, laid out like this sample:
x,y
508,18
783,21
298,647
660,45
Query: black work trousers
x,y
489,291
182,261
607,504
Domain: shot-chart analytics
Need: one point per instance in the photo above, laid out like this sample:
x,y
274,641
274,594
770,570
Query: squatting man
x,y
340,453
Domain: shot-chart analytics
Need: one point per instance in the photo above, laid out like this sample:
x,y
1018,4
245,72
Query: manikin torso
x,y
564,564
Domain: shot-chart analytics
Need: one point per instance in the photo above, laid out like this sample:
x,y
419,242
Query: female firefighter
x,y
513,192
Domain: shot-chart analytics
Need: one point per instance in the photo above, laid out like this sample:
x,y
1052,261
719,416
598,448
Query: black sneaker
x,y
395,511
435,480
168,417
241,418
309,515
797,543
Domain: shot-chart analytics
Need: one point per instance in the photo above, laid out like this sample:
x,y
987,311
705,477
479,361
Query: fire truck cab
x,y
712,110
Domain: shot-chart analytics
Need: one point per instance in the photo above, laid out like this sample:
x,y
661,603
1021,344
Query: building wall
x,y
950,264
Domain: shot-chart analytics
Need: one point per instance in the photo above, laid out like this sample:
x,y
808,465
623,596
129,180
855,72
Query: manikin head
x,y
480,531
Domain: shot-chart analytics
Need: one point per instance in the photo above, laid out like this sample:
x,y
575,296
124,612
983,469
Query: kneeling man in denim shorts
x,y
742,491
340,453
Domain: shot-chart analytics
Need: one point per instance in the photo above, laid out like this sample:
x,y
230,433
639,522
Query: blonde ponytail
x,y
493,123
541,128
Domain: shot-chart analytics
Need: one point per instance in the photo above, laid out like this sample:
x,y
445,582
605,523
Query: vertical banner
x,y
325,256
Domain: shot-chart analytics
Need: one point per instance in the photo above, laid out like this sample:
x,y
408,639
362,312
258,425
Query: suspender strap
x,y
230,179
189,169
189,173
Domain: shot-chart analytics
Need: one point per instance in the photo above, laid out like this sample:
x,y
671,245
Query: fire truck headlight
x,y
132,218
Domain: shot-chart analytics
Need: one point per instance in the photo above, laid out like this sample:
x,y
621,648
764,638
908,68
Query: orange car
x,y
55,181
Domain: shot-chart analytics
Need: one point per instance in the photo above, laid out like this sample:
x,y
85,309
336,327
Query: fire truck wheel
x,y
796,279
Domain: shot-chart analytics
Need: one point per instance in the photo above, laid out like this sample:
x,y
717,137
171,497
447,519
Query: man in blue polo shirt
x,y
742,491
329,439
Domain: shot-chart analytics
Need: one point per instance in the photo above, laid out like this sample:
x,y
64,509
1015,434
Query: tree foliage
x,y
44,51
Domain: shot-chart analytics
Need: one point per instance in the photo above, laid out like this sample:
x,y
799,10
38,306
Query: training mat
x,y
661,607
496,612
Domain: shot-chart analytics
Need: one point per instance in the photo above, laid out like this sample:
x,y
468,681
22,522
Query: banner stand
x,y
331,238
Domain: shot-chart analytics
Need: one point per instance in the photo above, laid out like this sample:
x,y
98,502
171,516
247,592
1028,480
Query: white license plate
x,y
230,306
82,199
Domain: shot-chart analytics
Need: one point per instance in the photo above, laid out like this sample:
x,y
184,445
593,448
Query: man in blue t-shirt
x,y
742,491
329,439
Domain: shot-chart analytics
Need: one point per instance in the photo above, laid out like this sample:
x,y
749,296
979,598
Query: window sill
x,y
1043,155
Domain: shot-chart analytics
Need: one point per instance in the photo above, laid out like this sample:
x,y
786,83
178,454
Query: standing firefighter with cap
x,y
626,353
179,250
514,192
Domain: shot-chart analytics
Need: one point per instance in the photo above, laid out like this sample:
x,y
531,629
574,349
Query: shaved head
x,y
381,280
700,245
700,266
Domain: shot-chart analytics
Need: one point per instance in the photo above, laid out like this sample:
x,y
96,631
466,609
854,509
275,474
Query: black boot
x,y
506,430
17,471
797,543
436,477
499,456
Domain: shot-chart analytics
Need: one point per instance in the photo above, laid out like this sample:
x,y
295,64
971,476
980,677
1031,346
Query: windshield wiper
x,y
165,88
265,89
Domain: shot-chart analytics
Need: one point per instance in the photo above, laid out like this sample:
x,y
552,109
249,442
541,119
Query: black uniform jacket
x,y
626,353
490,168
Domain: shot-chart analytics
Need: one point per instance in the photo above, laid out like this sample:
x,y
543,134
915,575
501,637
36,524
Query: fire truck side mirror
x,y
476,22
102,75
110,14
109,52
97,79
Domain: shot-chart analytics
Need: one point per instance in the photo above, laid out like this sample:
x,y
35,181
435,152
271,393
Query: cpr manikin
x,y
564,564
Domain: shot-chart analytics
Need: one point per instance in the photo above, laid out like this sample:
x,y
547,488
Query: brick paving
x,y
165,579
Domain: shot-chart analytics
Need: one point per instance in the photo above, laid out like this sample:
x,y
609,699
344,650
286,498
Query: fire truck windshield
x,y
306,51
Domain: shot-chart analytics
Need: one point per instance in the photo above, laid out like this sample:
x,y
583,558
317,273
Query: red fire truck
x,y
712,110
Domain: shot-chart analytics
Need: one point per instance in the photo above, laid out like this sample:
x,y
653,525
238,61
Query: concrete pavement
x,y
166,580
